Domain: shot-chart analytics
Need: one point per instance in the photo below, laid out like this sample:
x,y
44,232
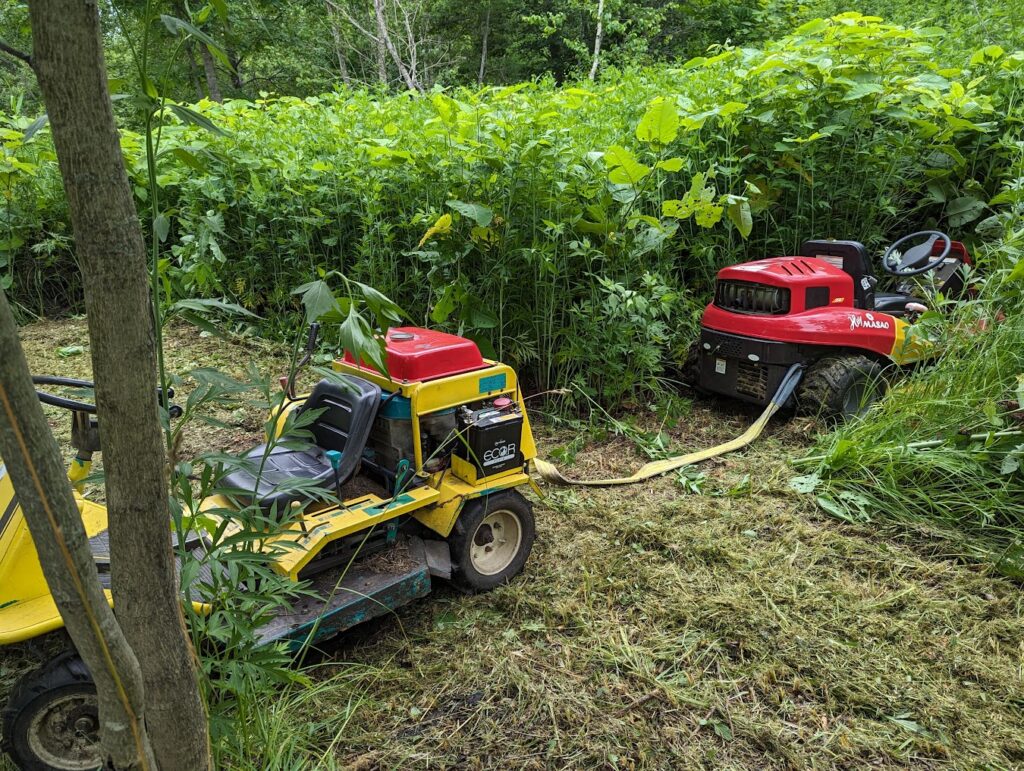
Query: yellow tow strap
x,y
789,382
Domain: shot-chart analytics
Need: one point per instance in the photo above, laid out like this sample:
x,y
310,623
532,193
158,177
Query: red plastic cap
x,y
416,354
502,402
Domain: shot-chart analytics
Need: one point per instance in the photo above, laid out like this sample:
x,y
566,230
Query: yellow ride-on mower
x,y
424,460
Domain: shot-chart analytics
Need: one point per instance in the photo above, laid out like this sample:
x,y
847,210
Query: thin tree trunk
x,y
382,33
193,71
339,49
236,69
70,68
483,46
382,51
597,39
212,86
33,458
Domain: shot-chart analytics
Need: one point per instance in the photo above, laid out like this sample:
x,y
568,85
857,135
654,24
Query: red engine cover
x,y
796,273
837,325
415,354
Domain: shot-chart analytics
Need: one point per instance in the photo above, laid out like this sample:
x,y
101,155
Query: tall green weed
x,y
535,198
946,446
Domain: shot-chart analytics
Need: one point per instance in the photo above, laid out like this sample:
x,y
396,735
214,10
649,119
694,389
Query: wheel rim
x,y
496,542
65,734
858,398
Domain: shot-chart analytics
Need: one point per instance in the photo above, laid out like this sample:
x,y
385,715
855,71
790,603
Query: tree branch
x,y
352,21
24,57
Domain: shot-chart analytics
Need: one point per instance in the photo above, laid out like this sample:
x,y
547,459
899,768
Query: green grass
x,y
659,629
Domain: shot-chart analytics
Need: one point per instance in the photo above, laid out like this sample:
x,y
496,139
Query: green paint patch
x,y
492,383
8,604
401,500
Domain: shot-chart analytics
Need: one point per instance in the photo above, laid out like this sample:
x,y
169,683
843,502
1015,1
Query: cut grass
x,y
659,629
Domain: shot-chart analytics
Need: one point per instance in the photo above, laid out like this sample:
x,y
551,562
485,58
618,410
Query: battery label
x,y
499,454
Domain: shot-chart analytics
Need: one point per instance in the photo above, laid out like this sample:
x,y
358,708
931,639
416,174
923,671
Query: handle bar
x,y
76,406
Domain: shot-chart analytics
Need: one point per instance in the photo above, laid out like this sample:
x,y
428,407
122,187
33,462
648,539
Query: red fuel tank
x,y
415,354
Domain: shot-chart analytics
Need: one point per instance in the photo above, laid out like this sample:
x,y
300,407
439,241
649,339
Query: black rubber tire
x,y
840,387
689,370
468,527
64,676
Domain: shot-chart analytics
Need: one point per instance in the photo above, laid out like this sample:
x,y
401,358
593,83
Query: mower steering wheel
x,y
914,261
61,401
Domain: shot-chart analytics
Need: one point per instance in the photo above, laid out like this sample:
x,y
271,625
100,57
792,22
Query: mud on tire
x,y
840,387
51,719
491,541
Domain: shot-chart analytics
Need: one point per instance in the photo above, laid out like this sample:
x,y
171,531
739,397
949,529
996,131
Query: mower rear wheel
x,y
51,722
841,387
492,540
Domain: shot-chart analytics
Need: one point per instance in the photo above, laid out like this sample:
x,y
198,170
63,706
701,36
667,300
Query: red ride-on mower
x,y
820,312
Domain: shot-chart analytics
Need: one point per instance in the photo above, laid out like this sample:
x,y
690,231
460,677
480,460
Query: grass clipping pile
x,y
657,628
737,628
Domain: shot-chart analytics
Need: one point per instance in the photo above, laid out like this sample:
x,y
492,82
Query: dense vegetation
x,y
573,230
573,227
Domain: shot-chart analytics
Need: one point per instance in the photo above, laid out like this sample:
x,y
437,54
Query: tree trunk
x,y
68,58
212,86
597,38
382,51
483,46
193,71
382,33
339,49
33,458
236,69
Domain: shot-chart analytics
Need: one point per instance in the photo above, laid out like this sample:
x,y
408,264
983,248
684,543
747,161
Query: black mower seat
x,y
894,303
344,425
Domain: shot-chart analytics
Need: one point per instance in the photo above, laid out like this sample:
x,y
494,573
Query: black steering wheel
x,y
62,401
914,261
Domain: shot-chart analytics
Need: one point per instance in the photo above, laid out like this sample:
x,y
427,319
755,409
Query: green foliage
x,y
631,329
501,213
945,445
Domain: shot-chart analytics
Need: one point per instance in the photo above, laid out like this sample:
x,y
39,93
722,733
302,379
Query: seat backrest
x,y
852,257
349,407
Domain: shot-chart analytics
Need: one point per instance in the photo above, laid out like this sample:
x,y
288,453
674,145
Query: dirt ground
x,y
717,621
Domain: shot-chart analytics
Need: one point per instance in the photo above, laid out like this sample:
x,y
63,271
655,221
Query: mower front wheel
x,y
841,387
51,722
492,540
687,371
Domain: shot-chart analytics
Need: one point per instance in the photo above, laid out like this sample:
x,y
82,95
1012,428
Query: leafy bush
x,y
632,327
946,446
503,213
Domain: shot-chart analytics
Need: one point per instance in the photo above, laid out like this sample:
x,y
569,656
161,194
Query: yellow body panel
x,y
27,609
26,606
454,493
909,349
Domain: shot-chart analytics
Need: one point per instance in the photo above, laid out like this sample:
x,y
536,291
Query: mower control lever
x,y
163,395
61,401
314,333
288,382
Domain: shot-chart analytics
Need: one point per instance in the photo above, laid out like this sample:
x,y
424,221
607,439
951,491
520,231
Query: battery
x,y
493,440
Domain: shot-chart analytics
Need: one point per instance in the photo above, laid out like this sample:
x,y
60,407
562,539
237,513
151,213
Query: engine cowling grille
x,y
750,297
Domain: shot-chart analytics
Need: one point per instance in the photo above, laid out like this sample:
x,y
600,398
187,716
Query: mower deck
x,y
349,595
